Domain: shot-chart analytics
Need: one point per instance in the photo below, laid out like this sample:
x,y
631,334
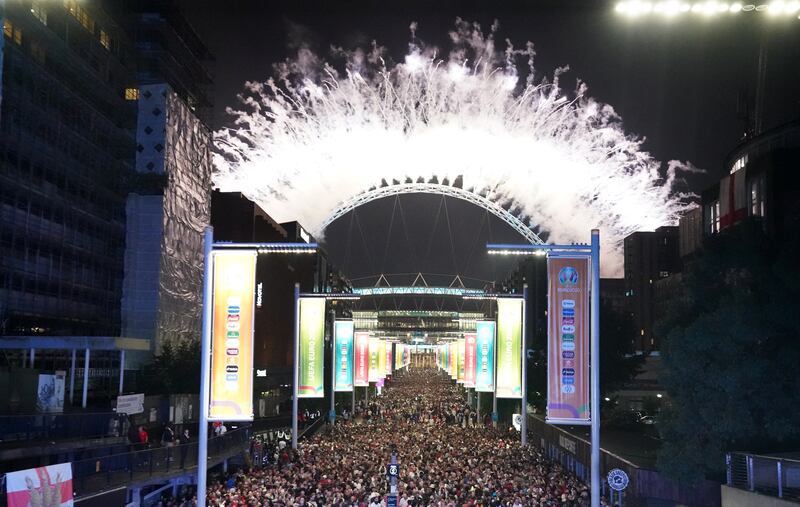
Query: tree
x,y
731,353
176,369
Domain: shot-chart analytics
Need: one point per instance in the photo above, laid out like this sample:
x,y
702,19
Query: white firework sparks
x,y
313,137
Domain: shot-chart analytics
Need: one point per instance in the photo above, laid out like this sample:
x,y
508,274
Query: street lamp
x,y
674,8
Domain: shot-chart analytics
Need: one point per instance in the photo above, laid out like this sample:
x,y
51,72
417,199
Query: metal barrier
x,y
769,475
15,428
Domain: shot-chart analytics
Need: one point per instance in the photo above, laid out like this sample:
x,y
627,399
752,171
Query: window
x,y
131,94
712,217
80,14
12,32
105,40
757,196
39,11
739,164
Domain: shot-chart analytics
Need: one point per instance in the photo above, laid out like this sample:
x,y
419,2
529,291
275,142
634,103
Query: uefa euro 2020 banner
x,y
460,346
389,356
469,359
381,359
343,331
232,336
361,359
568,340
49,486
509,348
374,358
312,353
484,361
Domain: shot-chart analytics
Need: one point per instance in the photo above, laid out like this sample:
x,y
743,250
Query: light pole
x,y
592,251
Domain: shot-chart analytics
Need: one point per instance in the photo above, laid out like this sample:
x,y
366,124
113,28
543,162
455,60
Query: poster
x,y
374,358
469,359
343,332
48,486
130,404
509,347
389,364
398,356
50,394
361,359
484,361
460,347
382,359
234,279
312,352
568,340
453,359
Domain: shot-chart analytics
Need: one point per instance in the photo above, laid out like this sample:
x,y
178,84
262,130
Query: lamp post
x,y
592,251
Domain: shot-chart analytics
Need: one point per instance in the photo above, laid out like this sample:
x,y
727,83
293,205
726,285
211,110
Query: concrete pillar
x,y
85,378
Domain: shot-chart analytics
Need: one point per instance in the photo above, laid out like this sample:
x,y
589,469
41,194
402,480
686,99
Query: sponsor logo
x,y
568,337
232,334
568,372
568,312
568,303
233,318
567,345
568,276
568,363
233,309
231,368
568,389
232,351
568,320
568,354
567,329
232,377
233,344
567,380
233,326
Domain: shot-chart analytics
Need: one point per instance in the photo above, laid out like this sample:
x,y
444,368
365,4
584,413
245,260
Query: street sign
x,y
617,479
391,501
393,470
516,420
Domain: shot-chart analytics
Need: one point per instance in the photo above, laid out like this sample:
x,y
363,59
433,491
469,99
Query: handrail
x,y
768,475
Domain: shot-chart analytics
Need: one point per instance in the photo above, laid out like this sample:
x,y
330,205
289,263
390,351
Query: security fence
x,y
770,475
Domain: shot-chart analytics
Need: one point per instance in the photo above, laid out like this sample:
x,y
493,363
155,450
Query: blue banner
x,y
484,364
343,332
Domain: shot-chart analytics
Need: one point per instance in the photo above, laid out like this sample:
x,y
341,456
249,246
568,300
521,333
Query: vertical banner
x,y
453,353
469,359
509,348
484,374
233,302
398,356
361,359
374,358
389,356
44,486
568,340
382,359
460,346
312,352
343,333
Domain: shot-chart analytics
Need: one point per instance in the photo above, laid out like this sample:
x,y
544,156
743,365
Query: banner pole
x,y
296,362
523,425
595,367
205,373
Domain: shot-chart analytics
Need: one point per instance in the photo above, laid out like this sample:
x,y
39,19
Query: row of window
x,y
756,204
15,281
83,17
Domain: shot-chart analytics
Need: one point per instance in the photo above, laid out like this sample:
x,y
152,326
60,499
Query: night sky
x,y
675,83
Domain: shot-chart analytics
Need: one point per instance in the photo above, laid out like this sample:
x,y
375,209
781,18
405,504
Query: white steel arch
x,y
437,189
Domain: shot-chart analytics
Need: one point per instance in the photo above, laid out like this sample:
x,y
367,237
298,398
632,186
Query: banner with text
x,y
484,374
374,358
343,331
568,340
469,359
312,351
233,304
382,359
389,365
461,345
361,359
509,348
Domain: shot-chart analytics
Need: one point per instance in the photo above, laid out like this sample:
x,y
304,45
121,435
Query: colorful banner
x,y
469,359
343,332
361,359
453,356
312,352
382,359
48,486
389,364
509,348
460,346
398,356
374,358
232,336
484,375
568,340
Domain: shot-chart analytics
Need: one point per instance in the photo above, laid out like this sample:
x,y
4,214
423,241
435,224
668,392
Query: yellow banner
x,y
234,279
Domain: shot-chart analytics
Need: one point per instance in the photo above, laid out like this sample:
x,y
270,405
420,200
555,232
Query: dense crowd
x,y
447,459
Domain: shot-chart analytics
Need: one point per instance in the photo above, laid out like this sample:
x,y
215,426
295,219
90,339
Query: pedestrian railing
x,y
769,475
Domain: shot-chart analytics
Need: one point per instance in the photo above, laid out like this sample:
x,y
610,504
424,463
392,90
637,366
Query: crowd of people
x,y
447,459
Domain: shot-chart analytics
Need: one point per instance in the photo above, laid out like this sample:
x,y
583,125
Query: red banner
x,y
361,359
568,340
470,353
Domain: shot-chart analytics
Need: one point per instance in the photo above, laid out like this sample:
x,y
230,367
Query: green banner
x,y
343,331
312,354
509,348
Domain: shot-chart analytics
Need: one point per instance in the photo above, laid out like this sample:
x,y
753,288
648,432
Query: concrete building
x,y
649,257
